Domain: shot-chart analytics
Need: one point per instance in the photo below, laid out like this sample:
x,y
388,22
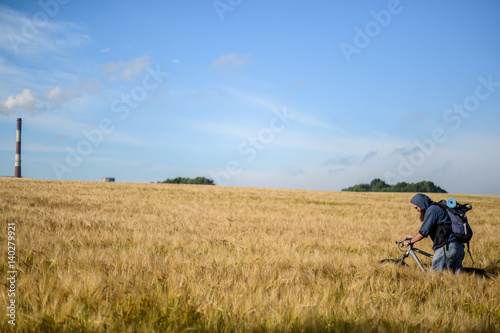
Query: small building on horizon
x,y
108,179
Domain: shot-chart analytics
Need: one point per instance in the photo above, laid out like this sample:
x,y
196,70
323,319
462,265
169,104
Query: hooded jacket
x,y
436,224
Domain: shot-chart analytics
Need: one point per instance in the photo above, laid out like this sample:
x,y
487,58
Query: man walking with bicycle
x,y
448,252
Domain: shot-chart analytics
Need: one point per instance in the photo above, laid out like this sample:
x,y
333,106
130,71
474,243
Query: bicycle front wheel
x,y
393,261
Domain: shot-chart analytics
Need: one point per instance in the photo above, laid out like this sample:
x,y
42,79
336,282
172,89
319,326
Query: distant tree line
x,y
378,185
185,180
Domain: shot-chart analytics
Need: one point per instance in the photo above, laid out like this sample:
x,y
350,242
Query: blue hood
x,y
422,201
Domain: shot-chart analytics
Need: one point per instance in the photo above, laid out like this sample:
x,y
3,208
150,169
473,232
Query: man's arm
x,y
429,220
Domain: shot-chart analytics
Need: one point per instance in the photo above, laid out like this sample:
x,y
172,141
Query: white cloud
x,y
58,96
91,85
299,117
125,70
26,100
343,161
53,93
229,63
368,157
31,102
299,83
27,35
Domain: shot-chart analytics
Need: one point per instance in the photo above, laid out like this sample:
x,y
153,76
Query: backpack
x,y
459,223
460,226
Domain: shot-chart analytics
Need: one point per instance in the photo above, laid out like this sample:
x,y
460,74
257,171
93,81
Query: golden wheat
x,y
119,257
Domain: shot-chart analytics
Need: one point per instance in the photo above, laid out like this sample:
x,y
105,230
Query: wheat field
x,y
118,257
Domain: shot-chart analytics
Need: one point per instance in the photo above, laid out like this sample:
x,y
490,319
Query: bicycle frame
x,y
412,251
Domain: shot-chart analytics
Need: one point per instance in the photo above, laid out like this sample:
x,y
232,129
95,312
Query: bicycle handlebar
x,y
401,242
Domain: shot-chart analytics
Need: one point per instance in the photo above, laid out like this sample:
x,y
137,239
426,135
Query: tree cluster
x,y
185,180
378,185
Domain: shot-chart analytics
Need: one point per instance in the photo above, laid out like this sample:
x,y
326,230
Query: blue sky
x,y
317,95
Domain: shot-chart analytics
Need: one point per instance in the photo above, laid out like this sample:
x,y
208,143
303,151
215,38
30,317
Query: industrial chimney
x,y
17,172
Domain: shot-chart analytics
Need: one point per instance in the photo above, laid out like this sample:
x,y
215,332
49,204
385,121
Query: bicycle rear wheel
x,y
478,271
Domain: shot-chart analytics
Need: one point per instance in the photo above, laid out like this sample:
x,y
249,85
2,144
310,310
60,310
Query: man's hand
x,y
415,238
407,240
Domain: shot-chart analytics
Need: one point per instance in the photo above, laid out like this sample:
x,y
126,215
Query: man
x,y
448,252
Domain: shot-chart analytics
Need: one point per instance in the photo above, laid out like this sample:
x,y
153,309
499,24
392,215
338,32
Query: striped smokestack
x,y
17,172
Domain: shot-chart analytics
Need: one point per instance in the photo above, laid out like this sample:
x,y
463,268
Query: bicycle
x,y
412,252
